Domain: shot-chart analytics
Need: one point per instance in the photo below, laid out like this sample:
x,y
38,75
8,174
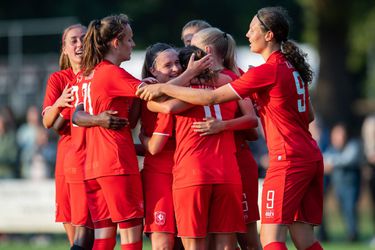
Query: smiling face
x,y
166,65
73,45
256,36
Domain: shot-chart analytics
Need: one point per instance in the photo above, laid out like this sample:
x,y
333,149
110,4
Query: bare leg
x,y
272,233
249,240
225,241
131,235
162,241
70,231
194,243
84,237
302,235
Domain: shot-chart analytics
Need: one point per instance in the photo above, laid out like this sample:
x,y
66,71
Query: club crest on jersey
x,y
160,218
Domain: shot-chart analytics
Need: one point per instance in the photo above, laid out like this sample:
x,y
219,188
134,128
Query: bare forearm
x,y
59,123
183,79
50,116
190,95
83,119
240,123
200,96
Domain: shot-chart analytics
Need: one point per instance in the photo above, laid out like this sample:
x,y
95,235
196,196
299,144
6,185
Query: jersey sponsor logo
x,y
160,218
269,213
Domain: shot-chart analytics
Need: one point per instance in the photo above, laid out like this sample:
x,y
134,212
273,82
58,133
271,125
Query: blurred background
x,y
338,36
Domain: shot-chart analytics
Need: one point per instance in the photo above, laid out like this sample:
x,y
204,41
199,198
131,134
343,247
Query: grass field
x,y
61,244
335,228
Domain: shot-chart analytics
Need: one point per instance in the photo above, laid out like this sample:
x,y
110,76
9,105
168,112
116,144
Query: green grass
x,y
334,222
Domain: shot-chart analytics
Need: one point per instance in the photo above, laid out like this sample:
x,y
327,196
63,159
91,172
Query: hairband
x,y
261,22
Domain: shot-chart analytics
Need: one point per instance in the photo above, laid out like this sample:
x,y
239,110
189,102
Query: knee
x,y
162,241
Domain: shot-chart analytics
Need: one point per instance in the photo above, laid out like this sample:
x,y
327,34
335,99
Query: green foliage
x,y
156,20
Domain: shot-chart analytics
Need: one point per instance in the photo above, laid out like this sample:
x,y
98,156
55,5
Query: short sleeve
x,y
53,91
254,79
122,83
164,124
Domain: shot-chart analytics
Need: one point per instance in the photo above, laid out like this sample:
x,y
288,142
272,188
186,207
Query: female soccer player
x,y
112,176
58,95
206,181
162,63
222,48
191,28
292,195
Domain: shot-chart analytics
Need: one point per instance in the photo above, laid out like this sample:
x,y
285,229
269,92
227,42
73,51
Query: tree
x,y
335,29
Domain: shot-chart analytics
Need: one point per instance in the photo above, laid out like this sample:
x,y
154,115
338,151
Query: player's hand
x,y
149,92
198,66
150,80
109,119
66,98
209,126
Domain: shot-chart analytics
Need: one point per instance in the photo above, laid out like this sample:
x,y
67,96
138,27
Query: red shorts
x,y
293,192
117,197
159,213
249,176
78,202
62,199
210,208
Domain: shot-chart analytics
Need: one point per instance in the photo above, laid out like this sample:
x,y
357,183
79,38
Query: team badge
x,y
160,218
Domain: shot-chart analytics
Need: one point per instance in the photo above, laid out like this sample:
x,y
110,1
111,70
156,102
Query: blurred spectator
x,y
8,114
343,159
368,136
45,152
8,148
321,136
26,139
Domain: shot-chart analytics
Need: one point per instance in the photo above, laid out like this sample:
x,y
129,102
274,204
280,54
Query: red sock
x,y
275,246
132,246
315,246
104,244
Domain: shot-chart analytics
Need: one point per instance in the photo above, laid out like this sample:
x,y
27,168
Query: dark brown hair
x,y
98,36
64,61
184,57
151,53
276,19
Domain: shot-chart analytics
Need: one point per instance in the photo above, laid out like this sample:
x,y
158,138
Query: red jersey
x,y
109,152
283,99
204,159
162,124
55,86
238,134
75,161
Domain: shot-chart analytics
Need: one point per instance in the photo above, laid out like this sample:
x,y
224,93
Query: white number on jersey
x,y
208,114
75,94
270,199
86,88
300,91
